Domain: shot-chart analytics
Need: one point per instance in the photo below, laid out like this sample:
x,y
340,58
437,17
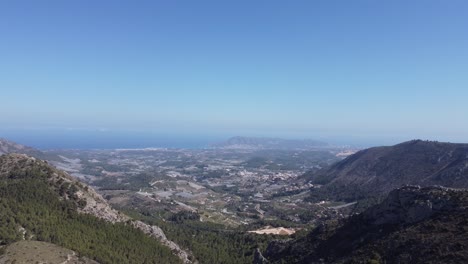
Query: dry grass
x,y
36,252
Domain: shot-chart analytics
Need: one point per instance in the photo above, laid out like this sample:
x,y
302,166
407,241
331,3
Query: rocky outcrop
x,y
96,205
259,258
156,232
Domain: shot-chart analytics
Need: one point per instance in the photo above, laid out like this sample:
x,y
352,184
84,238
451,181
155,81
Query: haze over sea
x,y
113,139
106,139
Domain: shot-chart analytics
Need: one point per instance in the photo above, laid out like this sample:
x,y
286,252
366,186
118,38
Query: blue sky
x,y
377,70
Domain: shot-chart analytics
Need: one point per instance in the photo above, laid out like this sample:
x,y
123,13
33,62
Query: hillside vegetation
x,y
377,171
412,225
34,252
38,204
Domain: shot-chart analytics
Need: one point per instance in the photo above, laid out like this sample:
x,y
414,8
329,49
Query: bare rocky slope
x,y
377,171
89,201
412,225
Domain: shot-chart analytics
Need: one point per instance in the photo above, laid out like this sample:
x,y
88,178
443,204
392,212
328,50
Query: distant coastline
x,y
106,140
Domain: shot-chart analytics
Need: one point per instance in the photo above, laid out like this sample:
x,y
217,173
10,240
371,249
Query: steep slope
x,y
412,225
40,202
269,143
376,171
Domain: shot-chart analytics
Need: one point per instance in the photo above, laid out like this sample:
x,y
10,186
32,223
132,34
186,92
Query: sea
x,y
108,139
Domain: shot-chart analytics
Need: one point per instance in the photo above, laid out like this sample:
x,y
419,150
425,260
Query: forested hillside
x,y
210,242
376,171
412,225
35,205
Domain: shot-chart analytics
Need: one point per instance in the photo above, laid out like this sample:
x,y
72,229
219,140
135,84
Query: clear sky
x,y
380,70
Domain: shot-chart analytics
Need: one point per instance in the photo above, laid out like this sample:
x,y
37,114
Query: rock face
x,y
377,171
412,225
156,232
87,199
259,258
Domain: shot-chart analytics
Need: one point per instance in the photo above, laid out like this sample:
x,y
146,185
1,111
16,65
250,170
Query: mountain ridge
x,y
376,171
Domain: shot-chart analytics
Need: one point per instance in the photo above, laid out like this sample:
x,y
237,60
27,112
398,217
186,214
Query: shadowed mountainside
x,y
376,171
412,225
